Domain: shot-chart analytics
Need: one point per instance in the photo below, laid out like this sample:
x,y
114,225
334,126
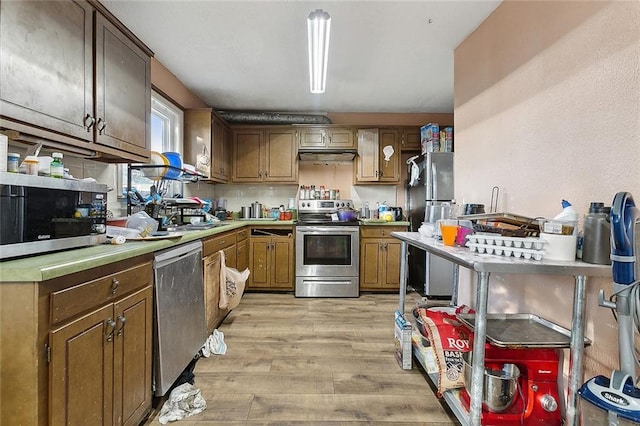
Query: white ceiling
x,y
385,56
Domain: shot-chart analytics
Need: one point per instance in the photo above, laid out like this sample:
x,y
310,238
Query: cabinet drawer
x,y
77,299
242,235
218,242
379,231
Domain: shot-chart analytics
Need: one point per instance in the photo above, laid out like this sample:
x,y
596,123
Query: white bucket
x,y
559,247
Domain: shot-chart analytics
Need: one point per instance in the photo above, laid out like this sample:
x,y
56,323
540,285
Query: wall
x,y
547,107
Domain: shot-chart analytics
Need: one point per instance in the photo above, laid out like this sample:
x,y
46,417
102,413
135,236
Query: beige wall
x,y
547,106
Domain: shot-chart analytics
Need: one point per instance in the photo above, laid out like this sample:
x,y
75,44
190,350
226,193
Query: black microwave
x,y
42,214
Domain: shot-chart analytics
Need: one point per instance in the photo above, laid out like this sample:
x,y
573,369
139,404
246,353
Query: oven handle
x,y
325,229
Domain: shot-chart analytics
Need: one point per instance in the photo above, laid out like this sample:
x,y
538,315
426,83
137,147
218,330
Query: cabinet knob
x,y
122,320
109,329
89,121
114,285
101,125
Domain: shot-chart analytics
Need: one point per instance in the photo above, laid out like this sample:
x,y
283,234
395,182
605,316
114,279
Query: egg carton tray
x,y
527,254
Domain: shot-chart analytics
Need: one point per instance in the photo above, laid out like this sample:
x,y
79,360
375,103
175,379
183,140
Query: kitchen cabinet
x,y
326,137
410,138
379,258
212,263
207,144
77,349
265,155
271,259
242,249
59,85
370,165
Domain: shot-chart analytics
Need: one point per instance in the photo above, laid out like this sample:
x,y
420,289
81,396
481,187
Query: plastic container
x,y
568,212
596,244
13,162
56,167
31,165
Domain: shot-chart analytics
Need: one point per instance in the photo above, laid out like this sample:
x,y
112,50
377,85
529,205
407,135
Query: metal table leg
x,y
577,349
403,275
479,336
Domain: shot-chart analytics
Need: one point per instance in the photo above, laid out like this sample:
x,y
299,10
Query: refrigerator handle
x,y
434,181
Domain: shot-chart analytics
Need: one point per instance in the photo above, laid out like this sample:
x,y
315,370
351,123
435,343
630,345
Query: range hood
x,y
326,155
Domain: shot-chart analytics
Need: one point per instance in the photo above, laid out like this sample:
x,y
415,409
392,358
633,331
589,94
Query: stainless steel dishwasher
x,y
179,326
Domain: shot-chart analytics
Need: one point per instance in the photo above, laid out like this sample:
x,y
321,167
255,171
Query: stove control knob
x,y
548,403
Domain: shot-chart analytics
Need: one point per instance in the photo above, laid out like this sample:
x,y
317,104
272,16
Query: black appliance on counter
x,y
41,214
327,250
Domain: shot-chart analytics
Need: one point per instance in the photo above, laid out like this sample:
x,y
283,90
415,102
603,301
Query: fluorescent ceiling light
x,y
318,29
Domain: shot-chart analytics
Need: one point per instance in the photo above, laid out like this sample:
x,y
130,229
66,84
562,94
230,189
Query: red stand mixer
x,y
535,401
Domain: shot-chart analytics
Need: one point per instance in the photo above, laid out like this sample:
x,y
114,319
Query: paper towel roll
x,y
559,247
4,142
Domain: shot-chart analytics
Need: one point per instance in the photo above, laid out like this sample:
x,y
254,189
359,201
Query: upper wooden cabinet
x,y
58,84
207,144
265,155
409,138
326,137
370,165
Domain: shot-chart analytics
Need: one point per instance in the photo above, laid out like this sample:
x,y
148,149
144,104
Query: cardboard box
x,y
402,340
430,138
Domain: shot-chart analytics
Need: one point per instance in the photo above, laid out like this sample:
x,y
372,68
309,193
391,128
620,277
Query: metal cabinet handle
x,y
101,125
89,121
114,285
109,329
376,173
122,320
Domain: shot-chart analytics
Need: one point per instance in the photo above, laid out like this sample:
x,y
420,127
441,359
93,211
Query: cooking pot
x,y
347,214
256,210
245,212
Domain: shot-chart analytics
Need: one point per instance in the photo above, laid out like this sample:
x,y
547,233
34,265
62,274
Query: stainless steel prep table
x,y
483,265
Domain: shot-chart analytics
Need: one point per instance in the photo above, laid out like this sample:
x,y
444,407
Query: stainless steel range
x,y
327,251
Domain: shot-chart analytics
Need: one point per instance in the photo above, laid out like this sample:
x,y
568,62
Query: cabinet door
x,y
46,65
367,160
281,163
123,92
227,143
340,138
389,170
312,137
391,264
217,171
370,262
242,255
410,140
247,145
132,357
211,290
81,370
197,139
282,258
259,262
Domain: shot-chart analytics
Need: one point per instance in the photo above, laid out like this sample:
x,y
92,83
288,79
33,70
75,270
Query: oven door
x,y
327,251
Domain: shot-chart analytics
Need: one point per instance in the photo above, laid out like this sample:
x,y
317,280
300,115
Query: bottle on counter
x,y
56,167
302,192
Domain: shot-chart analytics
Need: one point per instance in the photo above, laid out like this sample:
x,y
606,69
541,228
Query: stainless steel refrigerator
x,y
429,194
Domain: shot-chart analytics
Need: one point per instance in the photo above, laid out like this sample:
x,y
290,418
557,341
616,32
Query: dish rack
x,y
505,224
525,247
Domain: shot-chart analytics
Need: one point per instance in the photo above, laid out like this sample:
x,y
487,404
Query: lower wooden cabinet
x,y
101,366
242,249
212,264
271,259
78,349
379,258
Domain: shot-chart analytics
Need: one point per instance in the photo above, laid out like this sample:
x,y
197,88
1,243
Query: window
x,y
167,122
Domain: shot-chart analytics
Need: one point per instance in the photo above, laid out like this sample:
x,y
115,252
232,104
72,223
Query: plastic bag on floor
x,y
184,401
232,284
214,344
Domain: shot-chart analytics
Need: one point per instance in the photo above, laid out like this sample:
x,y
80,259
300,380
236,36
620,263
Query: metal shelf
x,y
483,265
451,397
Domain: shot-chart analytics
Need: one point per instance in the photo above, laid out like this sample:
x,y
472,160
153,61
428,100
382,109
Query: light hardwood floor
x,y
307,361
